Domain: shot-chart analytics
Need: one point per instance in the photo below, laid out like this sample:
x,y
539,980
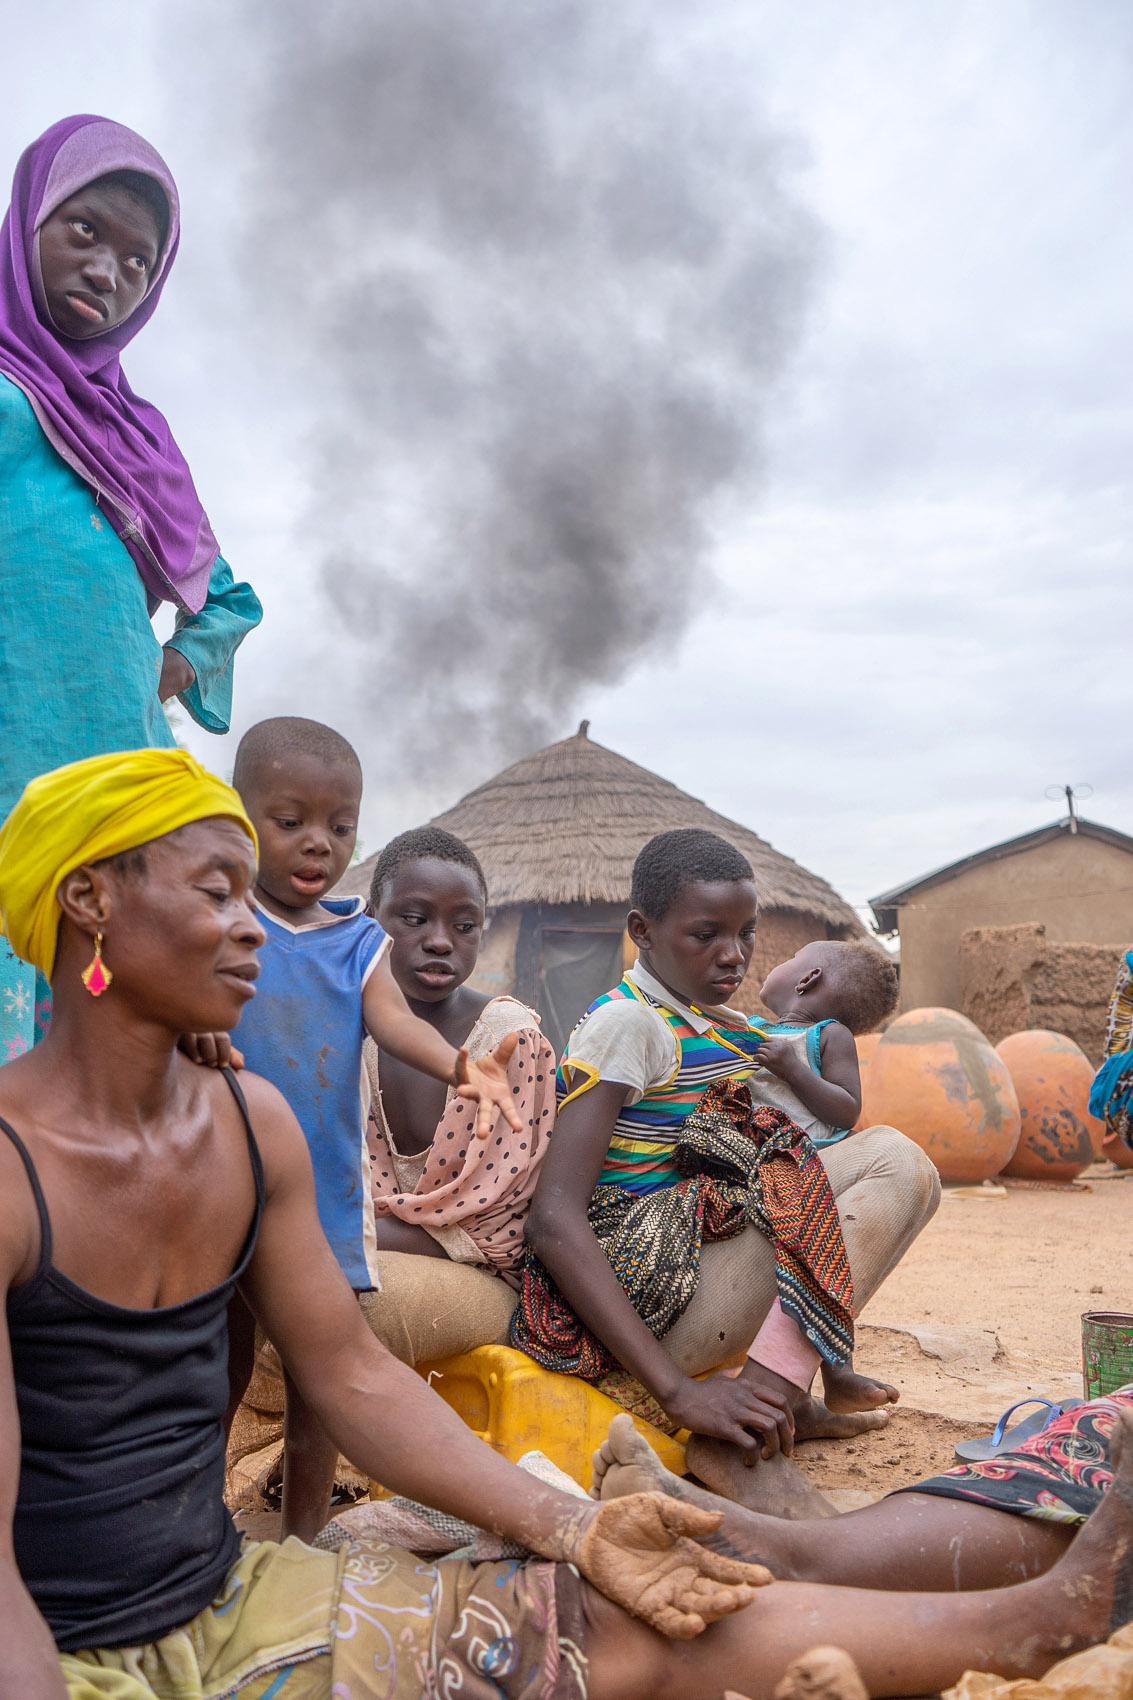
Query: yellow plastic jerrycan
x,y
517,1407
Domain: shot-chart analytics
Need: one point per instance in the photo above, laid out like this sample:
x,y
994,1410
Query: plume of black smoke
x,y
546,276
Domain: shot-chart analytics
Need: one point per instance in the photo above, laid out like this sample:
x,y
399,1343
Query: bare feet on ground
x,y
858,1397
815,1420
626,1463
845,1390
773,1484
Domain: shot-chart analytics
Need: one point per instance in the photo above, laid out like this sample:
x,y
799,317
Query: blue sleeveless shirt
x,y
303,1031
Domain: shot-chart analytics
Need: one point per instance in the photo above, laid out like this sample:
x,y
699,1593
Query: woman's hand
x,y
728,1407
211,1050
487,1080
643,1552
177,675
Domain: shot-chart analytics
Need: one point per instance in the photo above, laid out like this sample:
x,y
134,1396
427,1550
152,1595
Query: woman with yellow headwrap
x,y
138,1191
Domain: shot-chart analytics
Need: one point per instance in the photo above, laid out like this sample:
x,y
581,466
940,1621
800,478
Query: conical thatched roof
x,y
564,826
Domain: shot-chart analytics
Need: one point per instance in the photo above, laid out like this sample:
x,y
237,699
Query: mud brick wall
x,y
1014,978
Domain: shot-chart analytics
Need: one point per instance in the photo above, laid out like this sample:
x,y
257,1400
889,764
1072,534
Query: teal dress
x,y
79,662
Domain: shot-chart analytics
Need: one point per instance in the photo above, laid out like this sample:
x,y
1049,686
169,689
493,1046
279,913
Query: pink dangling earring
x,y
96,975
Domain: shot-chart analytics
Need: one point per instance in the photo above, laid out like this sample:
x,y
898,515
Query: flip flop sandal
x,y
1003,1439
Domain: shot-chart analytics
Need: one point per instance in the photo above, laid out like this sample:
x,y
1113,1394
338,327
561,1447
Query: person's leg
x,y
887,1191
734,1309
310,1458
909,1541
432,1308
903,1643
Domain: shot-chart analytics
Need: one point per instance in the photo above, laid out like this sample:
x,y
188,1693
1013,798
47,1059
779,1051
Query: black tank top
x,y
121,1531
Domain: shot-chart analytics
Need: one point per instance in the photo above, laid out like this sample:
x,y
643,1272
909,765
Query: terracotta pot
x,y
935,1077
867,1047
1052,1079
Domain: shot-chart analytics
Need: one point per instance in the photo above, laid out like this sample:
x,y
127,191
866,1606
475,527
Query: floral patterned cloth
x,y
1058,1476
368,1622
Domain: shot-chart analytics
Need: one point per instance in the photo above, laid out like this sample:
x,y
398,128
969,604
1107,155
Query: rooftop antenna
x,y
1073,794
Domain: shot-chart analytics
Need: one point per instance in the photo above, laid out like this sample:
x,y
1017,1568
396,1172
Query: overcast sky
x,y
911,603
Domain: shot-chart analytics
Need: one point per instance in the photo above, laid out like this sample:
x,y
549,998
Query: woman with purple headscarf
x,y
99,519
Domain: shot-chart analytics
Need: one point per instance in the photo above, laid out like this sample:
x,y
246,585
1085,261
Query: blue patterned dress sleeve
x,y
209,641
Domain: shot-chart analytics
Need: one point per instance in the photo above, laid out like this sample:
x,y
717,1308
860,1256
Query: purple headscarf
x,y
115,441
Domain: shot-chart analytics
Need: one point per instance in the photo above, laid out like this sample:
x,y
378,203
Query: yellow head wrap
x,y
86,811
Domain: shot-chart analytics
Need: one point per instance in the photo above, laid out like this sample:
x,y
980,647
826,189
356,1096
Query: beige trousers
x,y
886,1190
430,1308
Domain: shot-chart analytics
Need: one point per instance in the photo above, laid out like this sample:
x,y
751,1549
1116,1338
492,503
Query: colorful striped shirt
x,y
640,1154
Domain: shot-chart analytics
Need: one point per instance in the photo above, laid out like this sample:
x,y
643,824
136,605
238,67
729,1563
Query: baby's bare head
x,y
848,980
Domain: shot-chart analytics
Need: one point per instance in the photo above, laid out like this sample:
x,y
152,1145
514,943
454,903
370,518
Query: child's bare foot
x,y
625,1463
844,1389
774,1485
817,1421
813,1420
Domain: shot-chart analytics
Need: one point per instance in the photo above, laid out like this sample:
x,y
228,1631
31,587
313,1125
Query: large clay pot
x,y
867,1046
1052,1079
935,1077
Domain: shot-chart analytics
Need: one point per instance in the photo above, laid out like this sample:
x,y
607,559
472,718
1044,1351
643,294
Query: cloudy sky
x,y
752,379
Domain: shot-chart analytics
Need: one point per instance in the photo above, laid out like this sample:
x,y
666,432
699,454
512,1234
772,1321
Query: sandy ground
x,y
985,1309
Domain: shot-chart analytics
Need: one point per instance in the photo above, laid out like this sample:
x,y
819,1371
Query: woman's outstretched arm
x,y
392,1425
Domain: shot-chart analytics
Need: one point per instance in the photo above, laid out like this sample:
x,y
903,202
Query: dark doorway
x,y
577,967
567,956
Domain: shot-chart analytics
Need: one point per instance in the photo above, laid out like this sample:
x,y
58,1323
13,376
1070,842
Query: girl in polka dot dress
x,y
438,1190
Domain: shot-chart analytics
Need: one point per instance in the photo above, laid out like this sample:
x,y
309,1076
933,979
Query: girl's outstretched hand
x,y
643,1552
487,1080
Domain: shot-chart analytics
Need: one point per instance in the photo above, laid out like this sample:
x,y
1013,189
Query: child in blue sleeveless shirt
x,y
325,982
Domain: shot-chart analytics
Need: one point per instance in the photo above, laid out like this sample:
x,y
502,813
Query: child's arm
x,y
835,1095
558,1231
392,1024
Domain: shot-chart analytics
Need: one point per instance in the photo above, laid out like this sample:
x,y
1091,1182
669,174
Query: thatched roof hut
x,y
557,834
